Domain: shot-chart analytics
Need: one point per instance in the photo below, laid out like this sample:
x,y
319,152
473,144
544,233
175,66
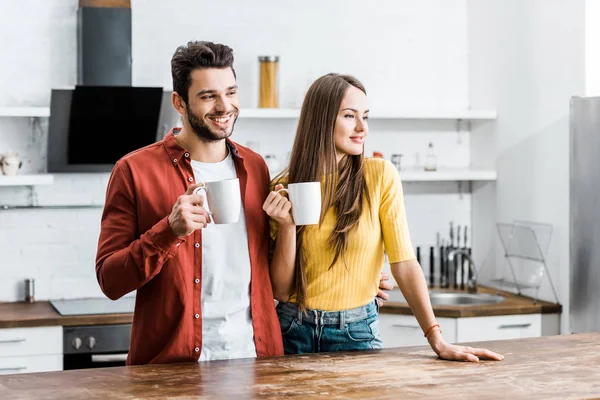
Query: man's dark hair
x,y
197,55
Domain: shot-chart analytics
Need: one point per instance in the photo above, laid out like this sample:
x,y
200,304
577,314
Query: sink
x,y
464,299
452,298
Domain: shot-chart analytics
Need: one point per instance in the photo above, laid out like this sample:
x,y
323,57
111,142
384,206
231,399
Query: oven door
x,y
95,346
83,361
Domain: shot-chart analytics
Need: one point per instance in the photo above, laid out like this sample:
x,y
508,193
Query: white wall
x,y
592,47
409,54
526,59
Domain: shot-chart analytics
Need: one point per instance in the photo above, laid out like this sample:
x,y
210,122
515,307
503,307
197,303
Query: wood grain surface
x,y
20,314
513,305
551,367
25,315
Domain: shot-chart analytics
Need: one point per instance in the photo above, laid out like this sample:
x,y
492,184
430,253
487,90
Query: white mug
x,y
306,202
11,163
223,200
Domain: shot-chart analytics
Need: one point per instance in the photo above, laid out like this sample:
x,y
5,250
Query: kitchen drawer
x,y
499,327
404,330
22,365
31,341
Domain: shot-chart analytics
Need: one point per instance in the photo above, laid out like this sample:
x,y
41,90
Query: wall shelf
x,y
444,175
26,180
290,113
447,174
24,111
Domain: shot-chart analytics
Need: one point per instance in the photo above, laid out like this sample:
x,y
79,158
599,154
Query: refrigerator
x,y
584,194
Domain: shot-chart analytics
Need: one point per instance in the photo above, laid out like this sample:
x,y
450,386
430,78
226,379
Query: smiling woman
x,y
325,275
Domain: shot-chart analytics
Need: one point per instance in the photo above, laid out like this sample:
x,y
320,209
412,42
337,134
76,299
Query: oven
x,y
95,346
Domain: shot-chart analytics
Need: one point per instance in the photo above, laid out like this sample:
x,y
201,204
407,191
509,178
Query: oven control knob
x,y
76,343
91,342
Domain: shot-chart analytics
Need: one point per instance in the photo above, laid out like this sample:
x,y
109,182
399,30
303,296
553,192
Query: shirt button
x,y
190,179
175,160
197,349
197,245
197,316
178,244
196,280
186,155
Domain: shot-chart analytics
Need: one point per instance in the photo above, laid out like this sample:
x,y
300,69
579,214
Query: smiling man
x,y
203,290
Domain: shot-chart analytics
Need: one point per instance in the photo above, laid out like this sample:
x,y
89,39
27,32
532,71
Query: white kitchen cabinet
x,y
31,349
404,330
28,364
498,327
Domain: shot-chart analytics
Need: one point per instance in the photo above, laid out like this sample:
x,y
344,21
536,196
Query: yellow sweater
x,y
355,284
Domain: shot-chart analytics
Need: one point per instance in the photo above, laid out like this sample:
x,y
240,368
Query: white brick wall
x,y
407,53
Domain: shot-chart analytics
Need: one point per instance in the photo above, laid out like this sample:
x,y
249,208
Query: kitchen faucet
x,y
472,281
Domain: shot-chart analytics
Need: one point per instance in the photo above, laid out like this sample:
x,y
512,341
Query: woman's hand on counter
x,y
453,352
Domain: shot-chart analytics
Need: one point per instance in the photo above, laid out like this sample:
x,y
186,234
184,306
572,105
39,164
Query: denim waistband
x,y
320,317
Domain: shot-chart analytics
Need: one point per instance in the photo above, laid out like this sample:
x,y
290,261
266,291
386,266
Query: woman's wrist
x,y
436,340
287,226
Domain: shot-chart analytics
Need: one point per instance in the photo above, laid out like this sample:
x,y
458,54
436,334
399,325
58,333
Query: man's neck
x,y
208,152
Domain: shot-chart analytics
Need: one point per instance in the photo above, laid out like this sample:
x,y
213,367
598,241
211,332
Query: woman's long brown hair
x,y
314,155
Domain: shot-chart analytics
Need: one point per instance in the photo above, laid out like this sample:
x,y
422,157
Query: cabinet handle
x,y
15,340
405,326
12,368
514,326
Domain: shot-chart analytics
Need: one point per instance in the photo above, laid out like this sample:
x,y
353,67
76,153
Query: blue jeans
x,y
325,331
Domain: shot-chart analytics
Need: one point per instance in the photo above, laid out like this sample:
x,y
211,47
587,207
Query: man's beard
x,y
203,132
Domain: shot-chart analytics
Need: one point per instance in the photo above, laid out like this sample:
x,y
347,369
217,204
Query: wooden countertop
x,y
550,367
22,315
513,304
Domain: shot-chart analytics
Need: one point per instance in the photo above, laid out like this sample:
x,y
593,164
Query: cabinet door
x,y
16,342
22,365
404,330
499,327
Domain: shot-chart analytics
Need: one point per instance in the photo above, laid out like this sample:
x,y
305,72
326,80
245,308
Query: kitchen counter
x,y
512,305
550,367
25,315
21,315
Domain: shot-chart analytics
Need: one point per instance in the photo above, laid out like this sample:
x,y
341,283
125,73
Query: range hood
x,y
104,117
104,43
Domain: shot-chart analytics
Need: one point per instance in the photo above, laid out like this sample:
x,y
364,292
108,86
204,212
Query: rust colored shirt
x,y
137,250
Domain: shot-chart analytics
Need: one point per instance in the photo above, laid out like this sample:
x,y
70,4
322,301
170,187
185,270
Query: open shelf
x,y
24,111
291,113
447,174
26,180
281,113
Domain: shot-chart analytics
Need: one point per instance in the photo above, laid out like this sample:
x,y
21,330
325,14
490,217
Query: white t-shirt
x,y
227,330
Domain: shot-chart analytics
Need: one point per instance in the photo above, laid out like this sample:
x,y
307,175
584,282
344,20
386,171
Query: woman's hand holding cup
x,y
278,207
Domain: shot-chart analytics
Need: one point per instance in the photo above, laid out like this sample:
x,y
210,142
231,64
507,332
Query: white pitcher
x,y
11,163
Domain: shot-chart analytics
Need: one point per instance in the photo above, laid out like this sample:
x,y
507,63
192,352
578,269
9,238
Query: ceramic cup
x,y
223,200
306,202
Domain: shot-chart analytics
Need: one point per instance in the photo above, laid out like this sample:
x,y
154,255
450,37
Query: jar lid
x,y
268,58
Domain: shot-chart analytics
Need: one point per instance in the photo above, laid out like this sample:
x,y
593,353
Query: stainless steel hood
x,y
104,43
